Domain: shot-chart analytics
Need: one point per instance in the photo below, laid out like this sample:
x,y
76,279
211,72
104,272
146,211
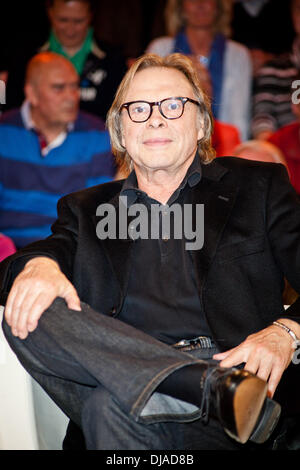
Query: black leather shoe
x,y
237,400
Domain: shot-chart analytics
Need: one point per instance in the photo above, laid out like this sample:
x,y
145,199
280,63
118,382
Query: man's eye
x,y
62,20
173,105
139,109
58,87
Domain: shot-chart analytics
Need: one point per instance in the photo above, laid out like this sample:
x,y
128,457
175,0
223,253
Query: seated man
x,y
192,333
47,149
99,66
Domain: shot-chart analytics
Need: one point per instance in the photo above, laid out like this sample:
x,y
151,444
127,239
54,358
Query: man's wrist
x,y
291,328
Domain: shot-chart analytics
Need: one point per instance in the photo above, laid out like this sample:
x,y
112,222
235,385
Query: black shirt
x,y
162,298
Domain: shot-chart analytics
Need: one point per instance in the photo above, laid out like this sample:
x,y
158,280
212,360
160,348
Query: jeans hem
x,y
144,396
171,418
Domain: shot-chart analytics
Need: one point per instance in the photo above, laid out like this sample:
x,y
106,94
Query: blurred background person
x,y
287,139
261,151
264,151
225,137
202,28
99,66
272,104
7,247
47,149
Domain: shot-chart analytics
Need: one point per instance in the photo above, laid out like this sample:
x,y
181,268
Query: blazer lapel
x,y
217,191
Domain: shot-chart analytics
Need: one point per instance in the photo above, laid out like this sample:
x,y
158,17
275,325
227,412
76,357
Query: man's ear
x,y
123,140
30,94
200,133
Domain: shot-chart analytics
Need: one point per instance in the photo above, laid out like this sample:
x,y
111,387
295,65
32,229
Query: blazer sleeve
x,y
283,226
60,246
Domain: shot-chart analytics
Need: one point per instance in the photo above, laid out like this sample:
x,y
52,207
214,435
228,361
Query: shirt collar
x,y
30,126
192,178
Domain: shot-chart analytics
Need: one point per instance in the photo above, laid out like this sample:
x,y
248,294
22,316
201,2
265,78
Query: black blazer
x,y
251,242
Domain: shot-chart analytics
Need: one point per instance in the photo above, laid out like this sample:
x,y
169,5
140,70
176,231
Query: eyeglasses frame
x,y
184,100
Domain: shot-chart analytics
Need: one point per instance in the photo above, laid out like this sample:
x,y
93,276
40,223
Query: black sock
x,y
185,384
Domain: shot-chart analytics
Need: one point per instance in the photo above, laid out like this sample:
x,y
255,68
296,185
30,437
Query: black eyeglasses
x,y
169,108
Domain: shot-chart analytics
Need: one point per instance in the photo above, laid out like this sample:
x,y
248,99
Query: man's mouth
x,y
157,141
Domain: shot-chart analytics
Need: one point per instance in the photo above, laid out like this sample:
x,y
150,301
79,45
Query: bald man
x,y
47,149
259,150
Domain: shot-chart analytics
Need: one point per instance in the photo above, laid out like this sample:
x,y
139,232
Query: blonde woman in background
x,y
201,28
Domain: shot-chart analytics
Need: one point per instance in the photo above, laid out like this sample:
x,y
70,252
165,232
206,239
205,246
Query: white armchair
x,y
29,419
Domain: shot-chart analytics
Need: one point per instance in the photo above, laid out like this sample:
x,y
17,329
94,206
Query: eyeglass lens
x,y
169,108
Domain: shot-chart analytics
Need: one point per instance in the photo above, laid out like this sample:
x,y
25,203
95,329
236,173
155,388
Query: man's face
x,y
54,95
70,22
200,13
160,143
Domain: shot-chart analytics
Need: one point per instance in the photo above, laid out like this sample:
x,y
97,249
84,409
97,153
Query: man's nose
x,y
156,119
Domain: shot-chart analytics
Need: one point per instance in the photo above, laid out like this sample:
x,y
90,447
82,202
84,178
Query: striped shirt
x,y
272,97
32,179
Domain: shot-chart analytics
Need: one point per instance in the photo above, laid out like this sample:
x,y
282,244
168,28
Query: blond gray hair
x,y
173,61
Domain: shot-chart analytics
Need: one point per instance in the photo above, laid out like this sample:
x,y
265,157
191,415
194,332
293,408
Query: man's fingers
x,y
24,312
40,304
27,303
221,356
259,367
16,308
9,307
235,357
259,361
274,380
72,299
33,291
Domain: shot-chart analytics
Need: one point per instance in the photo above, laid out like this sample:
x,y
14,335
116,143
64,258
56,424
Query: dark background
x,y
131,24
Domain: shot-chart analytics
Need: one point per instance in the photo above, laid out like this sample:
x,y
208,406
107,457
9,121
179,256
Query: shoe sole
x,y
248,402
267,421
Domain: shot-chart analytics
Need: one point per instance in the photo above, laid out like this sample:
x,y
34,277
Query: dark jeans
x,y
102,372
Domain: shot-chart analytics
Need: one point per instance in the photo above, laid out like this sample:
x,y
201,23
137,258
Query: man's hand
x,y
33,291
266,354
